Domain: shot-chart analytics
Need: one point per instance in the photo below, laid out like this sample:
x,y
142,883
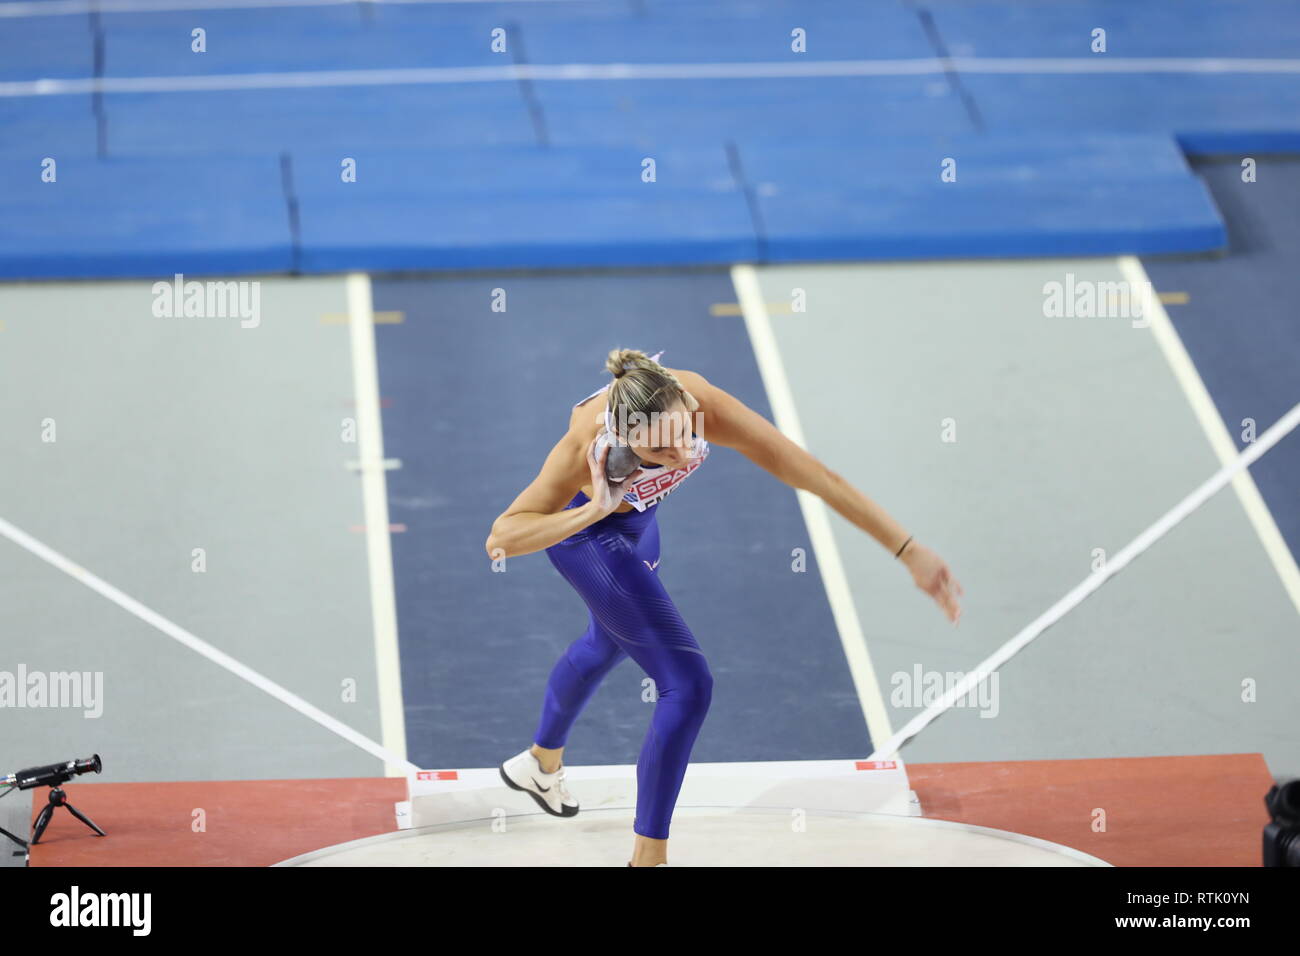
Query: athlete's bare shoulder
x,y
587,418
691,381
698,387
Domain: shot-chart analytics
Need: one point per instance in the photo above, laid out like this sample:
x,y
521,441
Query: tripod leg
x,y
42,822
85,819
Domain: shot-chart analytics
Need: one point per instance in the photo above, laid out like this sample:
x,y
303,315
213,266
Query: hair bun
x,y
621,361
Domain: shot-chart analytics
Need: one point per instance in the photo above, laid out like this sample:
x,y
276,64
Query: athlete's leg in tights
x,y
632,615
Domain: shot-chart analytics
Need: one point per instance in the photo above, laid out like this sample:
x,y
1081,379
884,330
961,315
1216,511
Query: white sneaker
x,y
524,772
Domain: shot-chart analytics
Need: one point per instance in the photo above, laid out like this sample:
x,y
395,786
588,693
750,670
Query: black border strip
x,y
291,206
515,37
97,97
954,79
751,198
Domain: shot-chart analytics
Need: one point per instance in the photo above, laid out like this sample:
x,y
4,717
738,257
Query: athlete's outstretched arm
x,y
732,424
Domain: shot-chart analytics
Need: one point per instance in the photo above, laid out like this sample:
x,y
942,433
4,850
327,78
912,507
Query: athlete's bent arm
x,y
537,518
733,424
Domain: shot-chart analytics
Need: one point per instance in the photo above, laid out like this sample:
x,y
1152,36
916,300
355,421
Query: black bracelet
x,y
904,545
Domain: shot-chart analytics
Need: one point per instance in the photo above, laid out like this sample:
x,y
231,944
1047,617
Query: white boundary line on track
x,y
1215,428
374,493
768,355
198,645
1146,539
312,79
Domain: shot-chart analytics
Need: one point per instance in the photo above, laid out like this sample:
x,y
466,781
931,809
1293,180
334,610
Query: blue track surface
x,y
813,166
477,646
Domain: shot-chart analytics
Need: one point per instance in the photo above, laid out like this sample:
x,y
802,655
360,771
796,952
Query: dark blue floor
x,y
477,399
1241,325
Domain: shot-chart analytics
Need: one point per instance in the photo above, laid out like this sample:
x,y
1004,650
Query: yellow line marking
x,y
1166,298
381,318
733,308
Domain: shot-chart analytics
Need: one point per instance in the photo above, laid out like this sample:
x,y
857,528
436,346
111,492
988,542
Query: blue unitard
x,y
612,565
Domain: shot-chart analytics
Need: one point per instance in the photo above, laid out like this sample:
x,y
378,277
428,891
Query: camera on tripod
x,y
51,775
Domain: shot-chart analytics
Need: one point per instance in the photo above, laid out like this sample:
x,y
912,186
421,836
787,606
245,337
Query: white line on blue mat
x,y
572,72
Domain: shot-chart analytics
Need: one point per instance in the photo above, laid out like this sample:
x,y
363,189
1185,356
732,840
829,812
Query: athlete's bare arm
x,y
729,422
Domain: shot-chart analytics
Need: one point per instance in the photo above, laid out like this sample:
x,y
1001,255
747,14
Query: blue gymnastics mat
x,y
548,207
450,232
1012,195
143,218
766,150
522,207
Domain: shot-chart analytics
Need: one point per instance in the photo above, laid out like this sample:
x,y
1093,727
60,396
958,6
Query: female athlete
x,y
603,538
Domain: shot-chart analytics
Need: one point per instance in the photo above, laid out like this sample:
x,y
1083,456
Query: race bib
x,y
653,488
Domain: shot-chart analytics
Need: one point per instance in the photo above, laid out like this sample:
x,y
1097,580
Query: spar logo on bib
x,y
655,488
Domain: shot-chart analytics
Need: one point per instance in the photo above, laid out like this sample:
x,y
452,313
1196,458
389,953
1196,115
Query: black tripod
x,y
50,775
59,799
